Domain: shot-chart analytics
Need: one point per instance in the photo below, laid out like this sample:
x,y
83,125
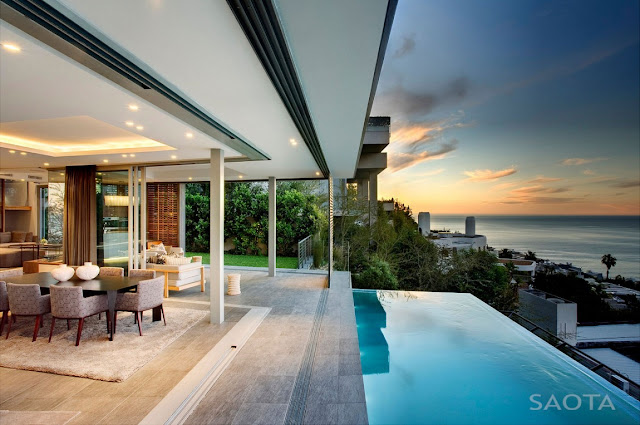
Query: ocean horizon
x,y
578,239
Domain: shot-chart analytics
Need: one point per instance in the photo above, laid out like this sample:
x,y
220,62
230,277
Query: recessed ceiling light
x,y
132,155
11,47
23,153
12,151
293,142
62,174
105,160
129,123
189,135
124,155
190,178
139,127
317,173
174,156
99,174
240,176
46,164
21,180
133,107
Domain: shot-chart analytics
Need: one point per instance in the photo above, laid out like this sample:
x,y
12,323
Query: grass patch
x,y
249,260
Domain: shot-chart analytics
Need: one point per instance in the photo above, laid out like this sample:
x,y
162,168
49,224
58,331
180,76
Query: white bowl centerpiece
x,y
62,273
88,271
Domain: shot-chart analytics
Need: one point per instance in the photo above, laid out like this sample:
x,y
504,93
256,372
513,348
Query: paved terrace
x,y
301,365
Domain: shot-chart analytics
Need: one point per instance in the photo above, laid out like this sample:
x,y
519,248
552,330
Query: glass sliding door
x,y
112,207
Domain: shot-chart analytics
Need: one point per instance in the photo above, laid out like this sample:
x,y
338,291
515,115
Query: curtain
x,y
79,226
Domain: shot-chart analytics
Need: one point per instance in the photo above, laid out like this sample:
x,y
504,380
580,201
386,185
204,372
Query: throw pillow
x,y
29,237
5,237
18,236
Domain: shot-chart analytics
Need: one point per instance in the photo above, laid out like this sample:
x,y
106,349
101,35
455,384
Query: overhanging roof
x,y
201,53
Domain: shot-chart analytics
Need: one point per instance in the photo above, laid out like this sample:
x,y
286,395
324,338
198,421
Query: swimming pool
x,y
445,358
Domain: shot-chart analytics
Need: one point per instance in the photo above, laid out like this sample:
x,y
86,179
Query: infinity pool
x,y
445,358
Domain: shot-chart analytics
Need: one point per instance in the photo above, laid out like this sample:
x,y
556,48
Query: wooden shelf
x,y
25,208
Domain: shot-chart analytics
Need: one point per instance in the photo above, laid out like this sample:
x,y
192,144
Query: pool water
x,y
445,358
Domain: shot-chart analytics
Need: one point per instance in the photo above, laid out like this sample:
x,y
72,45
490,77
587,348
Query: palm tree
x,y
530,255
609,261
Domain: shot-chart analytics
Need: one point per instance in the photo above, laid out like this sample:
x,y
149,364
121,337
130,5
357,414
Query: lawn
x,y
250,260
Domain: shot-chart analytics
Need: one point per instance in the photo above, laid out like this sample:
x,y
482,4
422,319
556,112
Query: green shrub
x,y
376,274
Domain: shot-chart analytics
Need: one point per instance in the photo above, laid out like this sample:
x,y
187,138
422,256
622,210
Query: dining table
x,y
109,285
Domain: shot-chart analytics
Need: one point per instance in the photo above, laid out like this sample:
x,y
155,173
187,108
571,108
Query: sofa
x,y
11,256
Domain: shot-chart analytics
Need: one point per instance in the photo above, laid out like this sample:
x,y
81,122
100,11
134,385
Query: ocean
x,y
581,240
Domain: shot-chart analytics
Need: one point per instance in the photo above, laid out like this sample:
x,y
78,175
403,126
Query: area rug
x,y
48,417
96,357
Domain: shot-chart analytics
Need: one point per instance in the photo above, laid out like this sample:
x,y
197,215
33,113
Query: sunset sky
x,y
513,107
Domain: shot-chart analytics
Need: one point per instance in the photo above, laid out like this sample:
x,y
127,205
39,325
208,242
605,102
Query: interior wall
x,y
24,195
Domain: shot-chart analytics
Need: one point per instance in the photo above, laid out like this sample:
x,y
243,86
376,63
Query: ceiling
x,y
80,117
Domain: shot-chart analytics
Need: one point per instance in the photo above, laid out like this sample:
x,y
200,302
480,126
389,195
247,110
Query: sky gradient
x,y
513,107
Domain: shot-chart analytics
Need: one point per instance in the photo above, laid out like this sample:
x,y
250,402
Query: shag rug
x,y
96,357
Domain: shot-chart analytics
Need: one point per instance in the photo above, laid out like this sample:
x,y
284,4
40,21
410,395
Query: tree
x,y
530,255
609,261
505,253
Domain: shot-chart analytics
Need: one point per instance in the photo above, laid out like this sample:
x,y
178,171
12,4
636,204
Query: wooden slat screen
x,y
163,213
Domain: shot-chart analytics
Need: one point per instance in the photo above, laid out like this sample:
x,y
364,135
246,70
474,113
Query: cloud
x,y
626,184
483,175
412,104
401,160
581,161
550,200
589,173
542,179
502,186
415,142
538,189
408,45
431,173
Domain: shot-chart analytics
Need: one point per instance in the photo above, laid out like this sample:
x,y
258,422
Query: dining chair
x,y
147,274
67,302
150,295
111,271
25,300
4,298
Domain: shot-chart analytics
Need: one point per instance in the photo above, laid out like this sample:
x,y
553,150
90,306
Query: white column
x,y
216,237
330,212
373,197
272,227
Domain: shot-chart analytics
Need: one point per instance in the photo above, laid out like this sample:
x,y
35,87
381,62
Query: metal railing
x,y
576,354
305,253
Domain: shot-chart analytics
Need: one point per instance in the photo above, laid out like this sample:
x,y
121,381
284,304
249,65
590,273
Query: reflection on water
x,y
374,349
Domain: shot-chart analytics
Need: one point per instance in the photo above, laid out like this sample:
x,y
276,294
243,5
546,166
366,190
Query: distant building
x,y
552,313
525,268
372,161
453,240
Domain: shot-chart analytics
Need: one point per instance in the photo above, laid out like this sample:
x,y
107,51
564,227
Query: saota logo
x,y
571,402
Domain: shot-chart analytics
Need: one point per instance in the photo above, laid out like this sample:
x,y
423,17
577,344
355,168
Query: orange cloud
x,y
542,179
483,175
581,161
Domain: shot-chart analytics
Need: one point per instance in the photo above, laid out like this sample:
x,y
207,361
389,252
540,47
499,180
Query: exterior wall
x,y
560,318
461,242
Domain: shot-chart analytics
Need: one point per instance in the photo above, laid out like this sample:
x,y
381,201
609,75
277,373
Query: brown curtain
x,y
80,232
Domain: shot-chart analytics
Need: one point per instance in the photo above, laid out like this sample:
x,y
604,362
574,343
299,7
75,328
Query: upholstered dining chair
x,y
150,295
147,274
67,302
111,271
25,300
4,298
